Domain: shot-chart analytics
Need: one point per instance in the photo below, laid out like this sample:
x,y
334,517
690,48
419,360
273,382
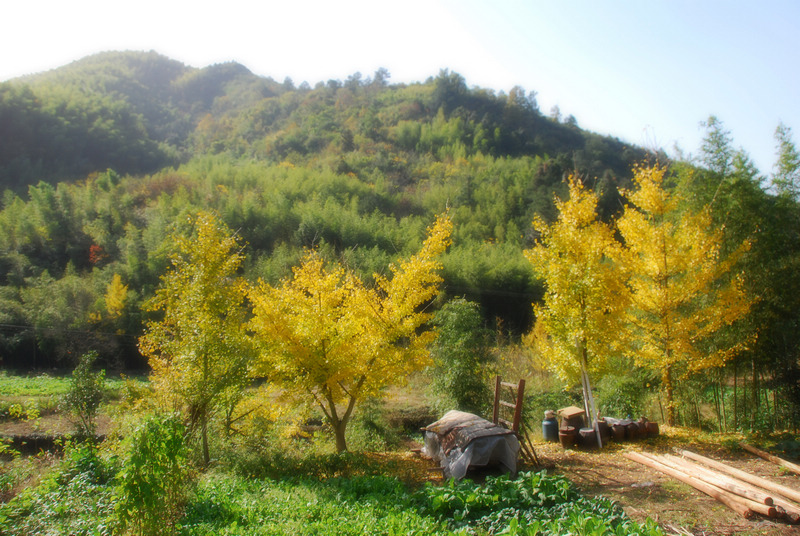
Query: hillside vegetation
x,y
104,159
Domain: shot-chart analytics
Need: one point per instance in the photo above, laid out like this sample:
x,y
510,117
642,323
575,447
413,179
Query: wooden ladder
x,y
517,391
517,395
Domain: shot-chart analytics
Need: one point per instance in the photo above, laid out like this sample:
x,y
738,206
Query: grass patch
x,y
27,397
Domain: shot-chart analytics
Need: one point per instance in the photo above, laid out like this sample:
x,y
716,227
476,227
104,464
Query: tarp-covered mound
x,y
461,440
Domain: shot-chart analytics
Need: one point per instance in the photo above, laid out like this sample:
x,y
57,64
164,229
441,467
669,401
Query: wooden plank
x,y
520,401
496,411
793,467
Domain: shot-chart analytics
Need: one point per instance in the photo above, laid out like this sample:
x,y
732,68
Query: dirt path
x,y
644,492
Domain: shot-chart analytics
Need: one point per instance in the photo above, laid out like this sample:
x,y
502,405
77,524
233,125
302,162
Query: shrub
x,y
462,358
151,487
85,394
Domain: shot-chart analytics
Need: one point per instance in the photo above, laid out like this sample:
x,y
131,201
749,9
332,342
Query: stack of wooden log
x,y
743,492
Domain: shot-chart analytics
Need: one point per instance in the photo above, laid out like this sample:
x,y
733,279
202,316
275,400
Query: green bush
x,y
462,359
538,400
86,391
621,396
152,484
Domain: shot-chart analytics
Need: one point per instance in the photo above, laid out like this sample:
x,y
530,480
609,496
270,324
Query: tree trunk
x,y
204,434
735,397
697,413
754,395
670,390
722,389
339,433
717,408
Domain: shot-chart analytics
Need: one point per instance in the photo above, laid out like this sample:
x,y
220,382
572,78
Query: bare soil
x,y
644,492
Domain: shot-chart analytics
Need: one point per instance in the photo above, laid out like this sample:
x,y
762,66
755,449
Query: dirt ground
x,y
644,492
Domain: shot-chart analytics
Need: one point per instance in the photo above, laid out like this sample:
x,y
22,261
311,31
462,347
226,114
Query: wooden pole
x,y
496,407
768,485
717,479
588,391
793,467
731,501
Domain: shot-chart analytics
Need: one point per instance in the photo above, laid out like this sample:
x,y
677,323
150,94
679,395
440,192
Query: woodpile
x,y
742,492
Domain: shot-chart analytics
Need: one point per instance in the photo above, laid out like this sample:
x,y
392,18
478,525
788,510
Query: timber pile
x,y
742,492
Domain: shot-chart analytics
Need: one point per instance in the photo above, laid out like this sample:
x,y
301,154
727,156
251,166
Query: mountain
x,y
137,112
130,111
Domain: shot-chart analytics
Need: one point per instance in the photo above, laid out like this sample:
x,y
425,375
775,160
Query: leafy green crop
x,y
74,500
532,503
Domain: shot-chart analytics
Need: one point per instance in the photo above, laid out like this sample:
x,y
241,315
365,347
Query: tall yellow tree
x,y
199,351
327,337
116,297
682,291
578,323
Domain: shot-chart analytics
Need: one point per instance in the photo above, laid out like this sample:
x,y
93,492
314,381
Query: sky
x,y
645,71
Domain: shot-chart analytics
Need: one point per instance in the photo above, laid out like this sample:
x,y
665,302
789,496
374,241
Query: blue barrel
x,y
550,430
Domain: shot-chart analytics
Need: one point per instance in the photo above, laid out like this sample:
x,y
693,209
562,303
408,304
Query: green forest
x,y
103,161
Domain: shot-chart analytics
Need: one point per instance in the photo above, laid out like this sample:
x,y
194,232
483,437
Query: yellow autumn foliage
x,y
584,302
116,296
327,336
682,290
199,351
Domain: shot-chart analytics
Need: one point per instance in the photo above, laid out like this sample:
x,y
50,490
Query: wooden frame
x,y
517,391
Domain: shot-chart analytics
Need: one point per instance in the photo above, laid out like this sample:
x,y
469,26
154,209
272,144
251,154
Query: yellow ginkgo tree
x,y
199,350
579,321
682,291
116,297
328,338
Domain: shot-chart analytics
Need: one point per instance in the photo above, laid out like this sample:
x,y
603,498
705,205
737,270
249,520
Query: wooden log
x,y
755,504
791,510
731,501
772,487
787,509
793,467
720,480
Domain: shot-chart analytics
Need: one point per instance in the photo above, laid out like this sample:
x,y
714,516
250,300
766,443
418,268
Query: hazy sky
x,y
646,71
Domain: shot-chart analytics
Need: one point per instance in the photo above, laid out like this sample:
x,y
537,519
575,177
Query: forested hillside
x,y
102,160
103,157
